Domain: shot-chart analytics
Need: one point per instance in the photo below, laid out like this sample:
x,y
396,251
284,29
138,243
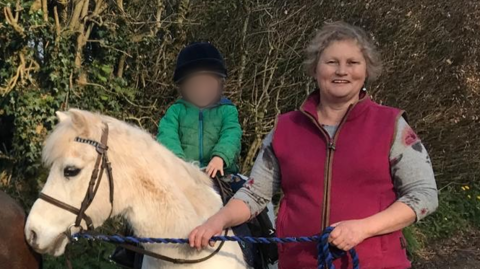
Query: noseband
x,y
101,164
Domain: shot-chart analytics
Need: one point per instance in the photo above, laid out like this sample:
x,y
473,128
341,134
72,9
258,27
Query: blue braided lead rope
x,y
148,240
325,256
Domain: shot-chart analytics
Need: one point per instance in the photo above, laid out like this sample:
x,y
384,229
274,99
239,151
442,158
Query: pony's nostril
x,y
32,238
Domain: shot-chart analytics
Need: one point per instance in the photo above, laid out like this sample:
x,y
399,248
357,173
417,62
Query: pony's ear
x,y
79,119
62,116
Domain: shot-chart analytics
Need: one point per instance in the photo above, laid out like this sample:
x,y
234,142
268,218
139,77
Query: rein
x,y
102,165
325,256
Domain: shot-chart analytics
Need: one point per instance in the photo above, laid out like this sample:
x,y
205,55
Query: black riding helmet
x,y
196,57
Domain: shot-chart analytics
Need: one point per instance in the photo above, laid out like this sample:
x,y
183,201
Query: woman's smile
x,y
340,81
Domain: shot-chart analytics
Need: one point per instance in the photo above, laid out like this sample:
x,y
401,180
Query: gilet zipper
x,y
331,147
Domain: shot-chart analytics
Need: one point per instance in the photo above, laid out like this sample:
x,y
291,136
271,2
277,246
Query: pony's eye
x,y
71,171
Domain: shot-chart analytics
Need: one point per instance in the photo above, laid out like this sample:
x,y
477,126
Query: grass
x,y
459,210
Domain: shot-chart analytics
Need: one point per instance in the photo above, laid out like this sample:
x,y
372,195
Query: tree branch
x,y
121,65
183,9
77,11
13,20
45,10
158,17
57,24
243,58
120,5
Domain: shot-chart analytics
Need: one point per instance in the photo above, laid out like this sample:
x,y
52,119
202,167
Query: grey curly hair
x,y
340,31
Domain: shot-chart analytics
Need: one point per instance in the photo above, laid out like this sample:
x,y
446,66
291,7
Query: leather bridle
x,y
102,165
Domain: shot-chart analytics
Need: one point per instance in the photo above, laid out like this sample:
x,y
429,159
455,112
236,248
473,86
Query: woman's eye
x,y
71,171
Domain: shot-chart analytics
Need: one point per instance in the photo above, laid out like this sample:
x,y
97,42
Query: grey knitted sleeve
x,y
412,172
264,179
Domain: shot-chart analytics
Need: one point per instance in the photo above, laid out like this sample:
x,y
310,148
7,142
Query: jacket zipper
x,y
328,165
200,137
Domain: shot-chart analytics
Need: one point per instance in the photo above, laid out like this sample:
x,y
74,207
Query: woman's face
x,y
341,71
202,89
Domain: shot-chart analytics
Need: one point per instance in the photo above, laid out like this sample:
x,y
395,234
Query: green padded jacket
x,y
197,135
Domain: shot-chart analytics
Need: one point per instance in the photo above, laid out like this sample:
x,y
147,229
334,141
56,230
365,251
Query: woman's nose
x,y
341,70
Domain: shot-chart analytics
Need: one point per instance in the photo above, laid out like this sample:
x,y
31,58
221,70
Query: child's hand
x,y
215,165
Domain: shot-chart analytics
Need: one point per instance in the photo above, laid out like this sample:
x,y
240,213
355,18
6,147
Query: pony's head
x,y
71,164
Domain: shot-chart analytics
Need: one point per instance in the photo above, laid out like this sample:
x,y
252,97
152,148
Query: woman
x,y
341,160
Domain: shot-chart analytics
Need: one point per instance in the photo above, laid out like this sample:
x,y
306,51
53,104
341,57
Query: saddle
x,y
257,256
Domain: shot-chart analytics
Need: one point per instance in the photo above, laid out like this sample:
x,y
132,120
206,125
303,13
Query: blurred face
x,y
202,89
341,71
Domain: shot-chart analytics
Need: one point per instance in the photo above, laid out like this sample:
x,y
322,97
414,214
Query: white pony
x,y
159,194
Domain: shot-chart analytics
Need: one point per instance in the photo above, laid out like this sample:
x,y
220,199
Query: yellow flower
x,y
463,188
478,197
469,197
467,187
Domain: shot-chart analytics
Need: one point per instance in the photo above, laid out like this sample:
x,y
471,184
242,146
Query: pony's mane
x,y
64,133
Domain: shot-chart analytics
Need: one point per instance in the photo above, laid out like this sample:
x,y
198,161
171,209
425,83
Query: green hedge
x,y
118,58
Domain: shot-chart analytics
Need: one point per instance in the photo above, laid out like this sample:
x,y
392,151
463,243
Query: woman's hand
x,y
234,213
348,234
215,165
200,236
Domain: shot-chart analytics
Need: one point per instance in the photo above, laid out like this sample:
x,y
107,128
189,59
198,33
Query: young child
x,y
202,126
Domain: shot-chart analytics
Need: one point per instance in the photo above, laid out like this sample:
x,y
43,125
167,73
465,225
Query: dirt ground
x,y
460,252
